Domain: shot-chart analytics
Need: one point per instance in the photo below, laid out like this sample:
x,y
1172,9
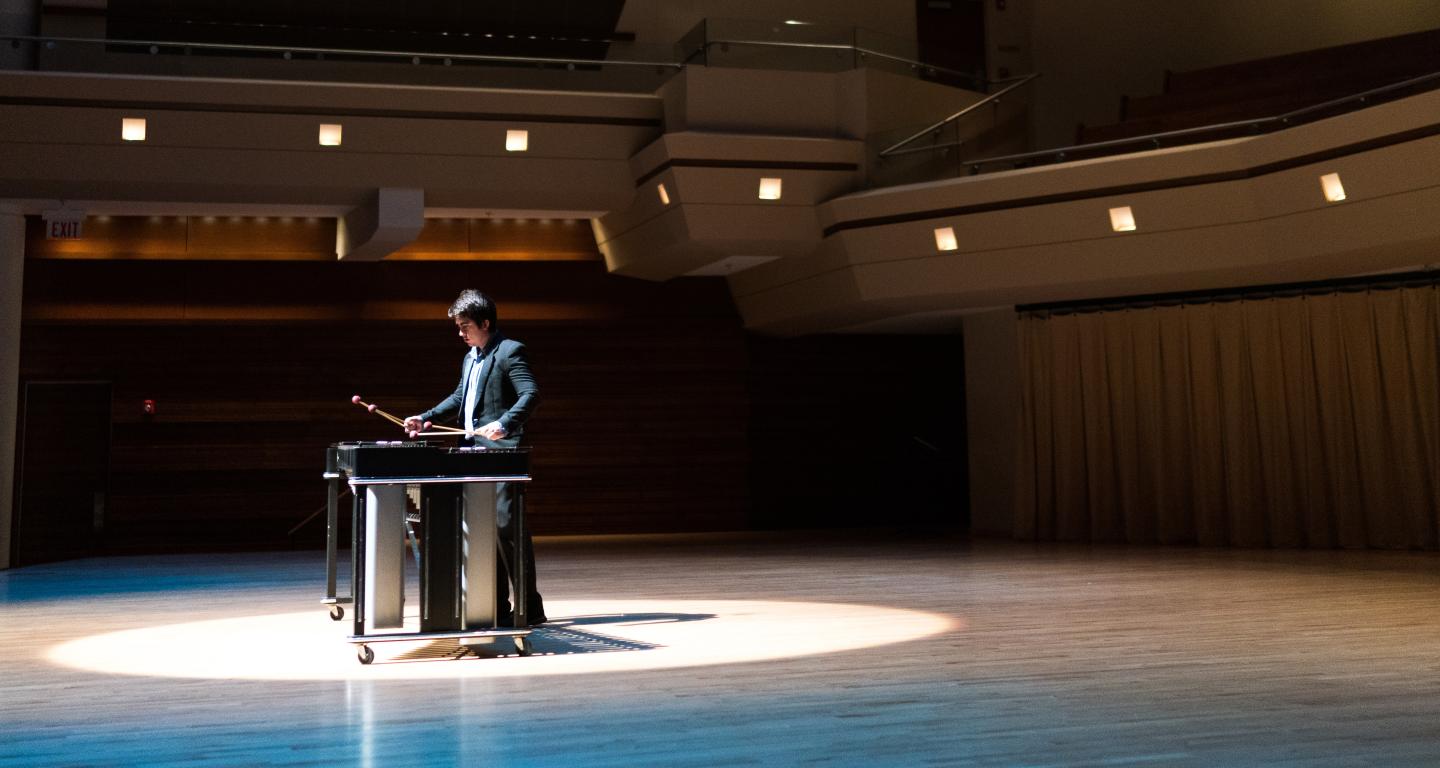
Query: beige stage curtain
x,y
1305,421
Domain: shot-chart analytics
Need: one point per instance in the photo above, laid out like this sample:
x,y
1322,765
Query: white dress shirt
x,y
468,417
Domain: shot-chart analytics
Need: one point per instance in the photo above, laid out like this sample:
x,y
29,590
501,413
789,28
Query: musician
x,y
496,396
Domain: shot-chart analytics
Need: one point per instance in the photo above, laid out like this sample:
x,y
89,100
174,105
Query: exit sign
x,y
64,224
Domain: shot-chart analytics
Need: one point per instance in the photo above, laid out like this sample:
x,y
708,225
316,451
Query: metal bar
x,y
931,148
306,521
349,52
357,562
391,637
519,593
1284,118
1149,137
992,97
354,481
1361,96
332,531
860,50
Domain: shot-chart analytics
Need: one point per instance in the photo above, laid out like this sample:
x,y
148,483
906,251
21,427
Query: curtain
x,y
1303,421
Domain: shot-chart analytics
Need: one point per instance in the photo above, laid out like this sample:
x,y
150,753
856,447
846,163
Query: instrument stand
x,y
458,558
332,534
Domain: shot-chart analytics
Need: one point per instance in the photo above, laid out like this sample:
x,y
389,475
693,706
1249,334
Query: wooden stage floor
x,y
1018,655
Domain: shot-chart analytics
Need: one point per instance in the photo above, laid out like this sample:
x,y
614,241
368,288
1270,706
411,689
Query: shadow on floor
x,y
557,637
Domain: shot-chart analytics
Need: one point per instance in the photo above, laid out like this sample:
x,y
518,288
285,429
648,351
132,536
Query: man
x,y
496,395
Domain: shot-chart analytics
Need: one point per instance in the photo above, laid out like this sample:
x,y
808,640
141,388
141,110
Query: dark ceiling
x,y
579,29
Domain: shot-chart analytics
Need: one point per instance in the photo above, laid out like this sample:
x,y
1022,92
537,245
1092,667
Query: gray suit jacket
x,y
507,393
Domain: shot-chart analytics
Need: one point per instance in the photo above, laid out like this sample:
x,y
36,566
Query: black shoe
x,y
506,620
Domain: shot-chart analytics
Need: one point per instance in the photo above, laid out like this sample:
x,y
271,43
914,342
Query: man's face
x,y
472,334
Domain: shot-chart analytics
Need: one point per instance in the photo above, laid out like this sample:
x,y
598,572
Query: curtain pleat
x,y
1130,479
1068,413
1422,328
1314,522
1277,486
1307,421
1097,519
1340,459
1207,437
1176,494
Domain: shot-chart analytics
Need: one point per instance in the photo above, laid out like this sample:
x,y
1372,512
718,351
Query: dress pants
x,y
505,500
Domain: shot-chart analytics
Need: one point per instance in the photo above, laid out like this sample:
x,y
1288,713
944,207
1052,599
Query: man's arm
x,y
527,396
527,392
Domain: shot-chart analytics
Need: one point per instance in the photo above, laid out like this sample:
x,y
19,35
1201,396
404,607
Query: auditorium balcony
x,y
823,177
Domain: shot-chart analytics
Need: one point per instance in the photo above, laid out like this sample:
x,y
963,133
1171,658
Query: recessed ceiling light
x,y
132,128
945,239
664,196
769,189
517,141
1334,190
330,134
1122,219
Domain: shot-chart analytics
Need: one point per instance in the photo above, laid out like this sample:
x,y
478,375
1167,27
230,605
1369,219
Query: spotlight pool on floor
x,y
584,636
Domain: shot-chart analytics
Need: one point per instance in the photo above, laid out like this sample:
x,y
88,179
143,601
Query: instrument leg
x,y
520,594
332,525
384,594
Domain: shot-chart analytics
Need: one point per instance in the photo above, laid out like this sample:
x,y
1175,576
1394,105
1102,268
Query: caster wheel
x,y
523,646
337,612
365,654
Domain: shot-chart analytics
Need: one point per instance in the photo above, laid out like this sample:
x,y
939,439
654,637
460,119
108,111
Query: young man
x,y
496,395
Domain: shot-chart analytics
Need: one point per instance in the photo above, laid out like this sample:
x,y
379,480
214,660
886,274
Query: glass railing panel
x,y
642,70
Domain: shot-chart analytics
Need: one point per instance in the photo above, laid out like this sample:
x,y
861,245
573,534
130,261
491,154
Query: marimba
x,y
458,493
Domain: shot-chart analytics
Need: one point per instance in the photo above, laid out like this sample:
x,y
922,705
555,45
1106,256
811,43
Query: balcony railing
x,y
429,67
1213,132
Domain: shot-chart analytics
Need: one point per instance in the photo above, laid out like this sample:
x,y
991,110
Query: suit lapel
x,y
492,361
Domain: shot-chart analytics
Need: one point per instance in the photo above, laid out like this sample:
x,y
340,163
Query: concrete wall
x,y
12,277
992,417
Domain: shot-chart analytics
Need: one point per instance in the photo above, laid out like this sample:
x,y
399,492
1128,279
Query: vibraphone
x,y
458,492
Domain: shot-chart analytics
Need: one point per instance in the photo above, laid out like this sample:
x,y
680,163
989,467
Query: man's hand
x,y
491,431
414,425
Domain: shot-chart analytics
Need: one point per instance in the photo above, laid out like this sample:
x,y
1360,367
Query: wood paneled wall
x,y
252,365
659,412
310,238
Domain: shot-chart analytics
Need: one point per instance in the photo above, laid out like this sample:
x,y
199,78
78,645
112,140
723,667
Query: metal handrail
x,y
912,63
892,149
1156,139
155,45
414,56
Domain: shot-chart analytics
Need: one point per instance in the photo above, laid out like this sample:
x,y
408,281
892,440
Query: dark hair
x,y
475,306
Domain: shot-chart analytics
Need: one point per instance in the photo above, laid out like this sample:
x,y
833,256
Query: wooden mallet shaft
x,y
401,422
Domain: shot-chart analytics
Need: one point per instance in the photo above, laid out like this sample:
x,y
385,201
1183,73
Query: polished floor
x,y
793,650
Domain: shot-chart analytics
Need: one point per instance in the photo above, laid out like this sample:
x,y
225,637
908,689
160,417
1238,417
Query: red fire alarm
x,y
147,407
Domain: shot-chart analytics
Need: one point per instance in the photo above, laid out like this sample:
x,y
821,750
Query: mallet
x,y
439,430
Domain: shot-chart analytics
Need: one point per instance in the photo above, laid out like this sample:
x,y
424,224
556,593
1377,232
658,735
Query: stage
x,y
832,649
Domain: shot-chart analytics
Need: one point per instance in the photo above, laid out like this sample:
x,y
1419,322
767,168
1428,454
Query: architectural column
x,y
20,18
992,411
12,278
